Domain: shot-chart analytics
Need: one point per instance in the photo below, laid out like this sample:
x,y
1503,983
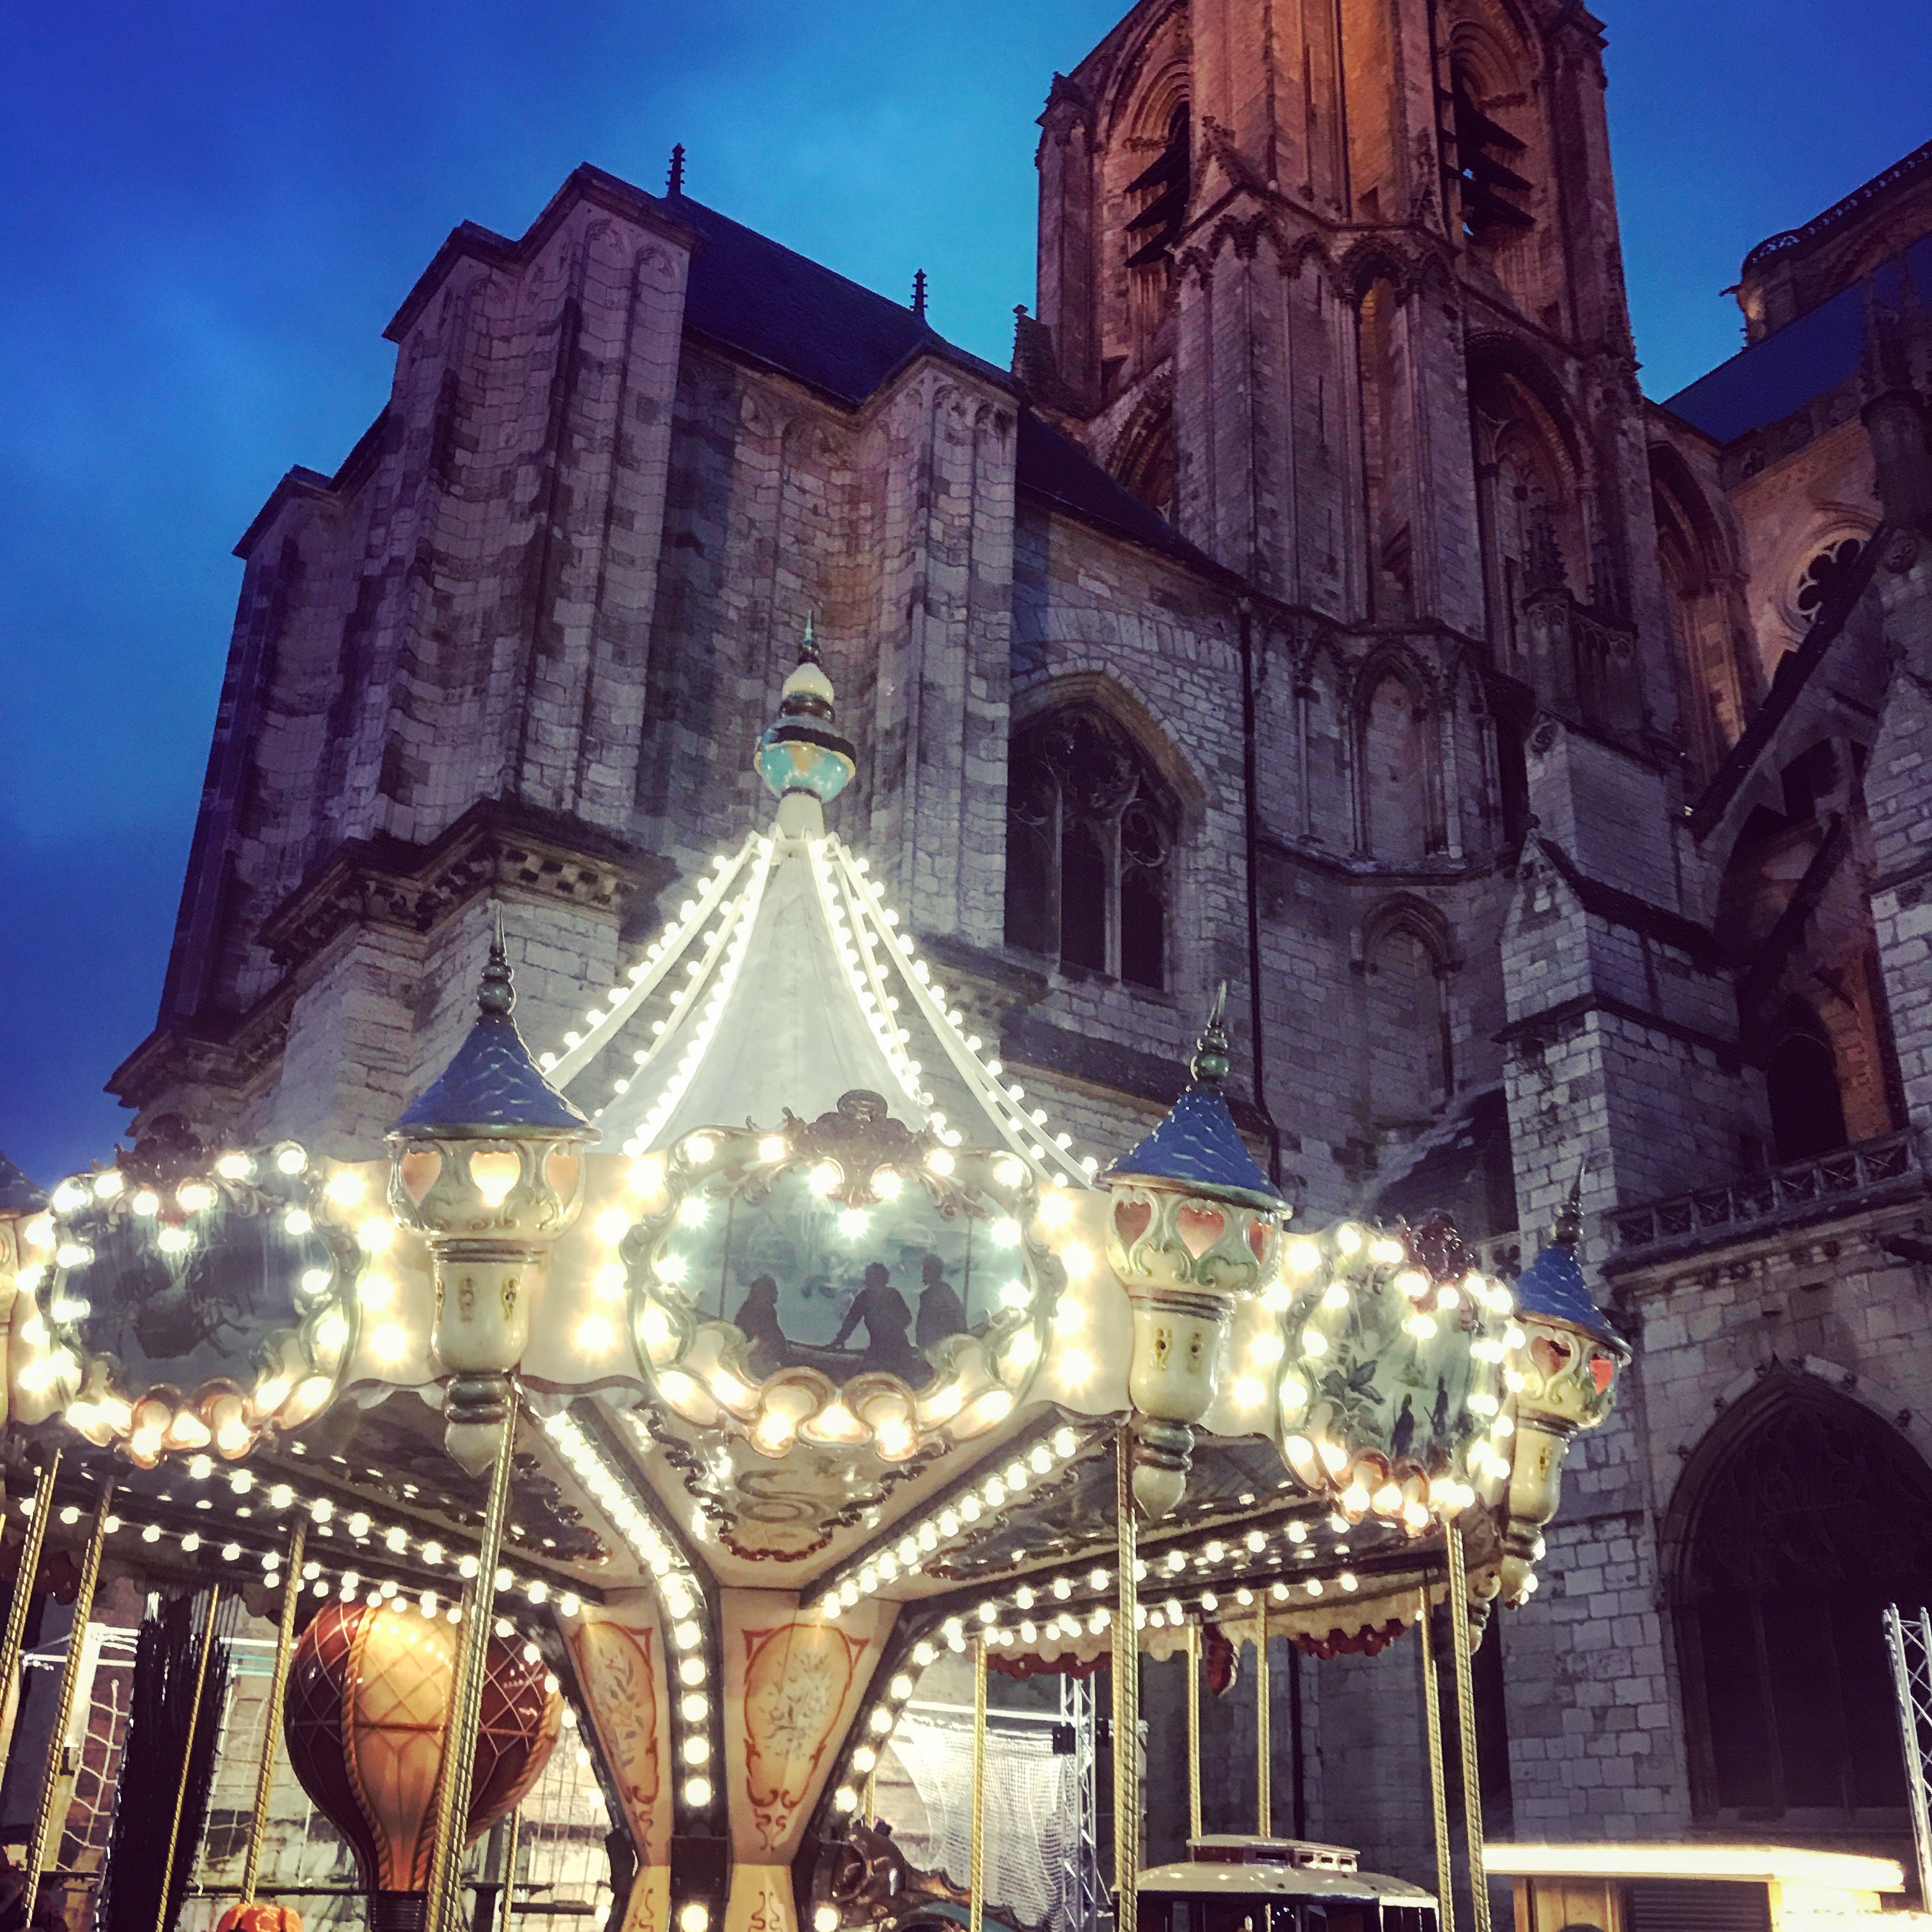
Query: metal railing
x,y
1796,1190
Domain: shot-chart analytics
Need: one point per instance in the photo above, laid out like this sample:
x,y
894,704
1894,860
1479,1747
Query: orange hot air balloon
x,y
257,1917
368,1693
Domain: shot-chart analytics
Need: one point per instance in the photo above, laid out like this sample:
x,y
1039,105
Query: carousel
x,y
617,1453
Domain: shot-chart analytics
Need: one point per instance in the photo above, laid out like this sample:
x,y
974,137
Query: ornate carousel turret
x,y
703,1411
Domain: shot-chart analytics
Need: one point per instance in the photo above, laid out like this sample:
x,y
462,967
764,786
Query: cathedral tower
x,y
1336,284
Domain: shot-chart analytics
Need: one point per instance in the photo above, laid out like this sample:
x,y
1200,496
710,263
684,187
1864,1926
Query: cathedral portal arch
x,y
1799,1516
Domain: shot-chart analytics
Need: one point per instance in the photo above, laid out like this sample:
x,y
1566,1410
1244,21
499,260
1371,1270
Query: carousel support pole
x,y
272,1725
37,1847
188,1755
1439,1783
512,1841
977,1854
1127,1658
16,1638
1263,1786
1193,1731
1465,1723
465,1704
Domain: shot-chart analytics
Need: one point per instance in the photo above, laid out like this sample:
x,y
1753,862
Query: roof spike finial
x,y
1568,1230
674,181
497,994
1209,1066
918,293
807,645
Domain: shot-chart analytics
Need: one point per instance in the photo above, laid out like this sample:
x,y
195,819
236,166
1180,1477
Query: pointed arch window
x,y
1801,1083
1487,157
1813,1517
1090,834
1153,232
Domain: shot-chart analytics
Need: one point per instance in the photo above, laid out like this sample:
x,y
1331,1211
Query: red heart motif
x,y
1548,1354
1603,1372
1200,1227
1258,1238
1130,1220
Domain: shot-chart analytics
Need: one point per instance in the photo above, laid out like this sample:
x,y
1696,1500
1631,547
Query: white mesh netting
x,y
1032,1813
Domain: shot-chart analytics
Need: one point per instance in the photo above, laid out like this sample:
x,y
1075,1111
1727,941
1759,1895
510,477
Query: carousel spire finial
x,y
1568,1230
802,757
1209,1066
496,996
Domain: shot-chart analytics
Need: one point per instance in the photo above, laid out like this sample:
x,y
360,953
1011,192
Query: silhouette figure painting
x,y
758,1317
941,1313
884,1310
1403,1439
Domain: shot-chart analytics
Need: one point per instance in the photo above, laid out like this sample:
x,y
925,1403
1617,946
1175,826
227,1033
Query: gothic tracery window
x,y
1815,1516
1823,575
1090,835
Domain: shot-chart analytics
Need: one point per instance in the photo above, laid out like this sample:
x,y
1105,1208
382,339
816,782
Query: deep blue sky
x,y
211,209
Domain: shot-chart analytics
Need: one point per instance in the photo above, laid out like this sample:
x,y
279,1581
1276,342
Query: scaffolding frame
x,y
1908,1640
1085,1887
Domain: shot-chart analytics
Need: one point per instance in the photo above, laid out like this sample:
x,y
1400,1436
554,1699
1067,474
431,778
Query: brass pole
x,y
1127,1658
977,1857
188,1754
1466,1722
15,1640
1439,1783
871,1806
37,1847
271,1725
1263,1770
510,1846
1193,1730
465,1705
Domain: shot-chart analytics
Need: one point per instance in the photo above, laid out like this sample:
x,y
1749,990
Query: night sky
x,y
211,210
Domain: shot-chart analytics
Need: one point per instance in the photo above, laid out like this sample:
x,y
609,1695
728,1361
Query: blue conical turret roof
x,y
491,1084
1198,1146
1553,1285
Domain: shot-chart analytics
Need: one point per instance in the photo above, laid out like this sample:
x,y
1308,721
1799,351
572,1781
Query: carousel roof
x,y
785,976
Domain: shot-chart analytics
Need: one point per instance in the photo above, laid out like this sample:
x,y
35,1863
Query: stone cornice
x,y
517,849
498,846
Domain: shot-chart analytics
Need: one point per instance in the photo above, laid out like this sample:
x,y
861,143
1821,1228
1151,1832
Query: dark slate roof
x,y
1809,356
791,313
763,301
491,1082
1553,1285
1197,1145
18,1195
1055,467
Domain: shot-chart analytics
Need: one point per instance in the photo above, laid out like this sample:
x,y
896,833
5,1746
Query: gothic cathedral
x,y
1317,605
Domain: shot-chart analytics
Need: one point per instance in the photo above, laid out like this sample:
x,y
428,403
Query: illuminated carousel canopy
x,y
837,1357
